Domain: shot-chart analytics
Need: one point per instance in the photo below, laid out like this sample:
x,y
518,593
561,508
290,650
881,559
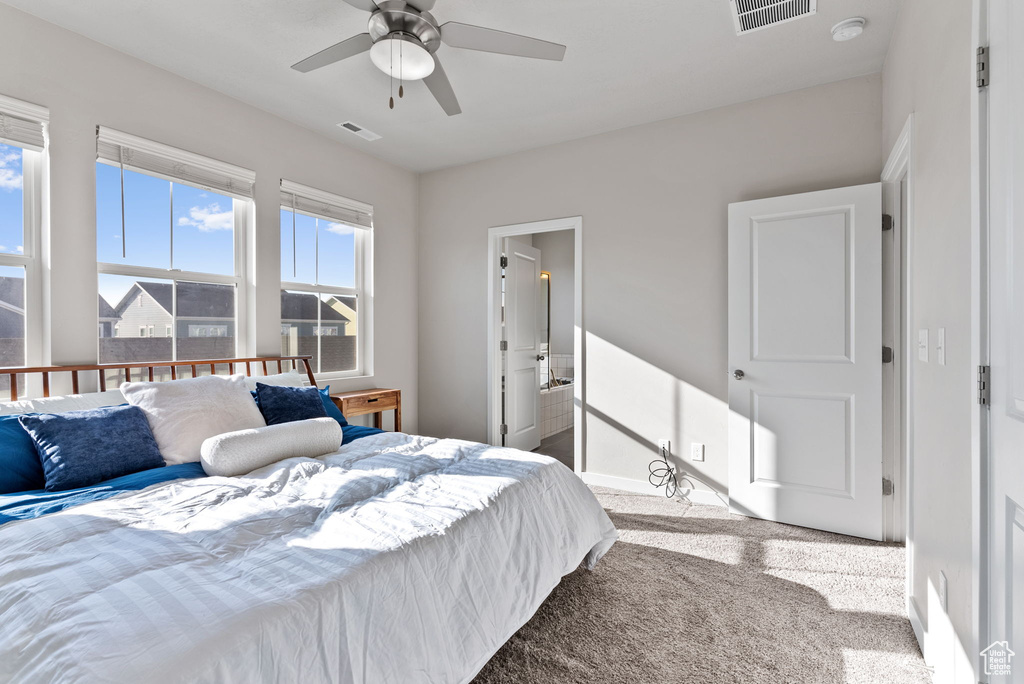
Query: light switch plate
x,y
922,344
940,346
696,451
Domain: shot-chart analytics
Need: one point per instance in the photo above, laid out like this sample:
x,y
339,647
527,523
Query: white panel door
x,y
1006,334
805,357
522,333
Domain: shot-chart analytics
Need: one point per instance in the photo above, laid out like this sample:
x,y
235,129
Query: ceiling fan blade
x,y
335,53
365,5
441,89
421,5
489,40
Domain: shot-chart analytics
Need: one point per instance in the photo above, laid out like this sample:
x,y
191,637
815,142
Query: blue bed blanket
x,y
25,505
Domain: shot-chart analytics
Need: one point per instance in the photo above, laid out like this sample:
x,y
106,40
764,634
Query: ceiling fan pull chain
x,y
401,75
391,77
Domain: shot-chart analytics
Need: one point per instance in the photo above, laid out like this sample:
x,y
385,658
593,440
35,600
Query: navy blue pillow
x,y
332,409
81,448
288,404
20,470
329,406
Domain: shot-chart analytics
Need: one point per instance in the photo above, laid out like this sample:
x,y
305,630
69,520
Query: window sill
x,y
342,377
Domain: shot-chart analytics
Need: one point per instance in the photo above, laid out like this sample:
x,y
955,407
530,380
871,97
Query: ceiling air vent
x,y
754,15
359,130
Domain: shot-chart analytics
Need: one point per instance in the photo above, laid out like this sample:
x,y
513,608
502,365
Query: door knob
x,y
540,357
738,374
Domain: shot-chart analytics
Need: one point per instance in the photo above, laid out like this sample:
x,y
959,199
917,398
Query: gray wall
x,y
84,84
557,257
654,200
929,72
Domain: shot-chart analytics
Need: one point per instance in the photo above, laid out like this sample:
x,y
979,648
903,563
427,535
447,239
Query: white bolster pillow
x,y
241,452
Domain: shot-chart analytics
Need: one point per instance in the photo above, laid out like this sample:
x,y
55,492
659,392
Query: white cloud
x,y
208,218
20,249
10,177
340,229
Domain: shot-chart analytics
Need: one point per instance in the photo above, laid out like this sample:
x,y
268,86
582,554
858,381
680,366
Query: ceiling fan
x,y
403,38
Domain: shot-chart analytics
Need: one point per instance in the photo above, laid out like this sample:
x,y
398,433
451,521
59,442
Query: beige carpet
x,y
692,594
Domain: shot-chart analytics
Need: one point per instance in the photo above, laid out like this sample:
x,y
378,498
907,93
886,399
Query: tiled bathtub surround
x,y
555,410
561,364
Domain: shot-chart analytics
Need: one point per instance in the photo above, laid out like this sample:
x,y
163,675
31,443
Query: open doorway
x,y
535,354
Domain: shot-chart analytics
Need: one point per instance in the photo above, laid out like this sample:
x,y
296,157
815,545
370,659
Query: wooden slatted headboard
x,y
145,370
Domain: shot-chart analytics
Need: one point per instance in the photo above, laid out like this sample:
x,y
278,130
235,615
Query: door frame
x,y
898,457
495,237
899,449
980,255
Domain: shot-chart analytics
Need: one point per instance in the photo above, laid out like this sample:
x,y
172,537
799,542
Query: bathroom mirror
x,y
544,323
545,312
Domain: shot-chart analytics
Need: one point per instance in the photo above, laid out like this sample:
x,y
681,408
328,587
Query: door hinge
x,y
982,67
887,488
984,385
886,222
886,354
503,345
504,262
503,429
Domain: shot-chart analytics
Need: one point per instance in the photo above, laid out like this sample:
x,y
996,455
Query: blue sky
x,y
11,221
202,223
336,251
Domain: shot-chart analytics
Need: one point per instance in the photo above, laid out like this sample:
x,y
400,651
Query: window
x,y
22,148
171,229
207,331
326,247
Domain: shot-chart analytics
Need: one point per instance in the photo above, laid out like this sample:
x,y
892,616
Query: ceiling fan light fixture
x,y
403,57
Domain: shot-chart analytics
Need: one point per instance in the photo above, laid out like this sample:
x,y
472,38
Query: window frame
x,y
34,174
363,277
242,212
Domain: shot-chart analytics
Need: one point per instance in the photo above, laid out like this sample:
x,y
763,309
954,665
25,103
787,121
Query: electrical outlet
x,y
943,589
664,448
696,451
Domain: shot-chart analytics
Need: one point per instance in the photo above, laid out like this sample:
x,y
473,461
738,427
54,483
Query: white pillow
x,y
70,402
241,452
290,379
184,413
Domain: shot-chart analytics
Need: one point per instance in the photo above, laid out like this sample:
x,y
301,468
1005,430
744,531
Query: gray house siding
x,y
139,313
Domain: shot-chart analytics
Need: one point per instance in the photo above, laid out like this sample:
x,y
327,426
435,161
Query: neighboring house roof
x,y
12,307
106,311
195,300
203,300
297,306
350,302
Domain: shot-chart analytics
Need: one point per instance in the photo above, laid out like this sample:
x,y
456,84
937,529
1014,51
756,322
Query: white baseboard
x,y
697,496
915,622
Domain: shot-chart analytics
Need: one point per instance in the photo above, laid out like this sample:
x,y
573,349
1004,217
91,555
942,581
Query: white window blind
x,y
139,154
23,124
315,202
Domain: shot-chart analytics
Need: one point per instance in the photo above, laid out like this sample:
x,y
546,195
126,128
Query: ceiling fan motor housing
x,y
396,17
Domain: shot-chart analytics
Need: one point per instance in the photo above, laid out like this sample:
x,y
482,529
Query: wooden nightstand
x,y
375,401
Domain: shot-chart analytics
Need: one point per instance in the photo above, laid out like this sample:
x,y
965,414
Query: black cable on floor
x,y
663,475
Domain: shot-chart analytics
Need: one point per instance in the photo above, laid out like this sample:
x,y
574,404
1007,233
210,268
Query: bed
x,y
398,558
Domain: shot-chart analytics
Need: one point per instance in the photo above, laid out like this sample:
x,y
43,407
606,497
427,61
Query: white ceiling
x,y
628,62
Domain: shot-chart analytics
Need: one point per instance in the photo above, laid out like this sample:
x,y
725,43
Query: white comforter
x,y
398,559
